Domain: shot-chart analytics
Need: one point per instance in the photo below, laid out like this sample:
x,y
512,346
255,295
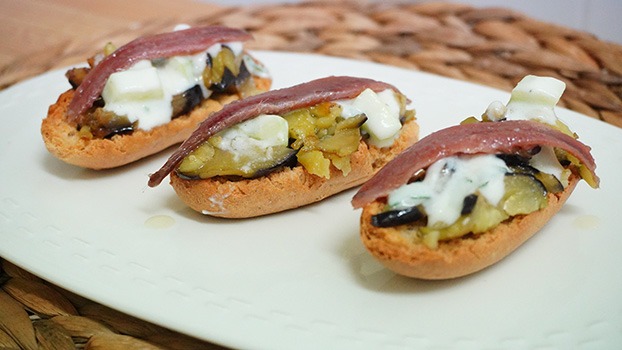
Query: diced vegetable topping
x,y
279,102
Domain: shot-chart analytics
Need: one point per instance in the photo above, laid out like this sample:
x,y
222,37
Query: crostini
x,y
138,99
290,147
465,197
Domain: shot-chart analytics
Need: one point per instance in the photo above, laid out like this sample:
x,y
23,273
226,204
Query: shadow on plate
x,y
372,275
60,169
176,204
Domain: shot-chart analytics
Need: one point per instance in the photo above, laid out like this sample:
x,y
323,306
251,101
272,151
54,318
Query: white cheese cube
x,y
271,129
382,111
538,90
254,136
177,75
133,84
534,98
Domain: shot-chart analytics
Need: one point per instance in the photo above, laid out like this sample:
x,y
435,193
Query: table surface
x,y
43,34
39,35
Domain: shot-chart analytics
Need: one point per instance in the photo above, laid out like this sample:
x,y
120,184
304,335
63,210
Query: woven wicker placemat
x,y
491,46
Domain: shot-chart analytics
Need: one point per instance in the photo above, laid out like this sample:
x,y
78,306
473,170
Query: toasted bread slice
x,y
287,188
400,251
63,140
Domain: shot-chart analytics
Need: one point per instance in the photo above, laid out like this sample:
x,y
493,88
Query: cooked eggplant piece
x,y
75,76
208,161
524,194
183,103
397,217
468,204
105,124
519,165
225,71
514,160
231,82
351,123
287,159
523,169
550,182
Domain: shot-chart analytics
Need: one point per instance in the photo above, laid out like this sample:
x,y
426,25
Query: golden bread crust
x,y
287,188
63,141
457,257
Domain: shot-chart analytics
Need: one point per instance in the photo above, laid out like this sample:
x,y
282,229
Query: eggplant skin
x,y
397,217
184,103
468,204
289,161
286,160
75,76
229,81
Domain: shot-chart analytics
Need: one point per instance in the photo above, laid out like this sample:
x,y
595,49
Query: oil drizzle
x,y
159,222
587,222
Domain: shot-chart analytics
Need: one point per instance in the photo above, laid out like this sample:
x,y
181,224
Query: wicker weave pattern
x,y
35,314
494,47
491,46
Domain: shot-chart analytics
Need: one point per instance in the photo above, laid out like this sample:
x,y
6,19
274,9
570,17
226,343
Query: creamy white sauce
x,y
447,182
144,92
383,115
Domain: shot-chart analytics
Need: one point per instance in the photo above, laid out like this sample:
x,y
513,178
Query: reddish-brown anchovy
x,y
505,137
180,42
272,102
